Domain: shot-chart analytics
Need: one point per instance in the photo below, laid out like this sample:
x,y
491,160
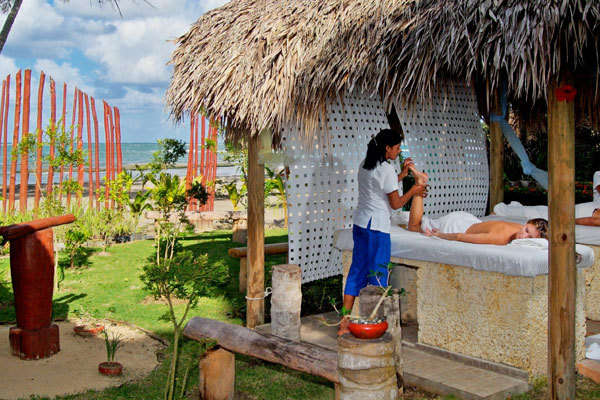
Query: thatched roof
x,y
266,62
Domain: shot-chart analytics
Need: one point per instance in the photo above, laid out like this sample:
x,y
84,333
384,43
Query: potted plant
x,y
369,327
110,367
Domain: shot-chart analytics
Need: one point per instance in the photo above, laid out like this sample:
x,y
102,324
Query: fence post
x,y
286,301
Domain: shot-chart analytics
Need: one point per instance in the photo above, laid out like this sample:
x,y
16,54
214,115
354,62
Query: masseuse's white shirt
x,y
373,203
596,183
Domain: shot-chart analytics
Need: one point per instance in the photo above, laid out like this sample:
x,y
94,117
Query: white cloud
x,y
7,66
64,72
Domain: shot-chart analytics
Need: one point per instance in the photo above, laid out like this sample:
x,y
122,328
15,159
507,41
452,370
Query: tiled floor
x,y
421,369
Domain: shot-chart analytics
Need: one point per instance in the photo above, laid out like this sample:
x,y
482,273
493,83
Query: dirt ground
x,y
75,368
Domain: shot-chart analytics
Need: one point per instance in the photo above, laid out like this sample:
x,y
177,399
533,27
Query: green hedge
x,y
538,196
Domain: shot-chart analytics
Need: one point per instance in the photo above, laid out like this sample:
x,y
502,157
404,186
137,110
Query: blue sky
x,y
121,60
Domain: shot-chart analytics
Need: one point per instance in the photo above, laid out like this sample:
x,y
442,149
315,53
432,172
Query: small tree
x,y
173,273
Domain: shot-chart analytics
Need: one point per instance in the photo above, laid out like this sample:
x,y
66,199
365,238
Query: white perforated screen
x,y
446,140
321,188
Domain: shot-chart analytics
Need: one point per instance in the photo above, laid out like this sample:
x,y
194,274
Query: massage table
x,y
483,301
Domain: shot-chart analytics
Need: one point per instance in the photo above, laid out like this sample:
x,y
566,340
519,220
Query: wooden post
x,y
5,149
97,153
217,375
107,151
15,144
24,133
112,148
286,301
39,131
90,155
256,236
72,129
496,155
50,180
80,166
188,176
63,119
561,210
203,158
118,140
366,368
4,143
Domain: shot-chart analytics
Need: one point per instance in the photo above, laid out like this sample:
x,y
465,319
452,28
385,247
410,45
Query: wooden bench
x,y
242,254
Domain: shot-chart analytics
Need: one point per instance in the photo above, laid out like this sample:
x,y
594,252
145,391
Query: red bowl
x,y
368,331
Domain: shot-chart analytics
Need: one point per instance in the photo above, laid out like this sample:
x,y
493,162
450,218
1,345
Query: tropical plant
x,y
75,239
169,151
114,343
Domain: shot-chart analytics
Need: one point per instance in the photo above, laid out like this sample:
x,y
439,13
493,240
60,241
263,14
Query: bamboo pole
x,y
15,151
97,153
195,170
118,140
80,167
107,151
24,134
50,181
255,303
496,156
1,125
39,131
5,149
562,273
213,169
202,151
90,155
71,142
63,119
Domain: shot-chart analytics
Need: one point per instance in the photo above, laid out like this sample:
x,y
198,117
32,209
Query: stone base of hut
x,y
482,314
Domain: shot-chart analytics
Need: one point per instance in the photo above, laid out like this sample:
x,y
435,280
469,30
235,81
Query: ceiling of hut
x,y
264,63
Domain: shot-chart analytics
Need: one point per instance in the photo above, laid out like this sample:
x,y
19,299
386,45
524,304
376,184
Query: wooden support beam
x,y
496,155
305,357
24,134
561,210
255,303
217,375
15,145
5,149
39,131
53,128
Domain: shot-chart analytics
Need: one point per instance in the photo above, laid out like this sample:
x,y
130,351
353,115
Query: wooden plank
x,y
561,208
271,248
25,154
188,175
496,155
4,145
39,131
255,303
71,141
118,139
5,149
15,144
300,356
107,151
63,123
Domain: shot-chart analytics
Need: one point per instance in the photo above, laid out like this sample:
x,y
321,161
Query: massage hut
x,y
266,64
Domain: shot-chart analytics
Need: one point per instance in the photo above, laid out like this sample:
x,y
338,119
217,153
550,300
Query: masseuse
x,y
377,196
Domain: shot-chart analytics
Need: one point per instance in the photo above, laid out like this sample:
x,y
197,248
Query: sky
x,y
122,60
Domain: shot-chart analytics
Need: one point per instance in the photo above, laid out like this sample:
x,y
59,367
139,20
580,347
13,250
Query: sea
x,y
133,153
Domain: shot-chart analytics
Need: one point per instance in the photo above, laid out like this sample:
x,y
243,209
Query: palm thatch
x,y
264,63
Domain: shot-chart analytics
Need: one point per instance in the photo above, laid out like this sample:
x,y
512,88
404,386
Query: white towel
x,y
538,243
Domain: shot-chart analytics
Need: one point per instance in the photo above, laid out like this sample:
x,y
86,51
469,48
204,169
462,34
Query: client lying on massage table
x,y
464,227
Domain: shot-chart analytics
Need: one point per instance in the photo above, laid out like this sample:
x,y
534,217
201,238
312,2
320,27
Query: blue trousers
x,y
371,255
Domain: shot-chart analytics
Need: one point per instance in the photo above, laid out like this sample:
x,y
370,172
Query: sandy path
x,y
75,368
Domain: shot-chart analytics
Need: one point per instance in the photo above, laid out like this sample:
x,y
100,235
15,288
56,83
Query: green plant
x,y
75,239
169,151
114,343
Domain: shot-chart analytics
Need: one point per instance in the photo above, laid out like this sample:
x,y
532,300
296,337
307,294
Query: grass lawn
x,y
109,287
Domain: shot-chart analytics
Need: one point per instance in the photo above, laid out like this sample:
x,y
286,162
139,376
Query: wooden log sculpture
x,y
366,368
32,274
286,301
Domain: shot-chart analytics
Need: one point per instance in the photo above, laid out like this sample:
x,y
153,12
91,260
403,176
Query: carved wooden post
x,y
561,265
217,375
286,301
32,273
366,368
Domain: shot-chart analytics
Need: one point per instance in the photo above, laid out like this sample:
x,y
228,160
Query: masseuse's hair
x,y
541,225
376,147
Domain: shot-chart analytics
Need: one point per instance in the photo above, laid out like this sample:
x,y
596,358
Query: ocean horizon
x,y
133,153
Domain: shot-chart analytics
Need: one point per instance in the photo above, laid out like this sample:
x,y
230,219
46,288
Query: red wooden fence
x,y
82,103
202,160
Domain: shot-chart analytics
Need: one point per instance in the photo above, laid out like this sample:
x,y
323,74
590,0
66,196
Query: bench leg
x,y
217,375
243,274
